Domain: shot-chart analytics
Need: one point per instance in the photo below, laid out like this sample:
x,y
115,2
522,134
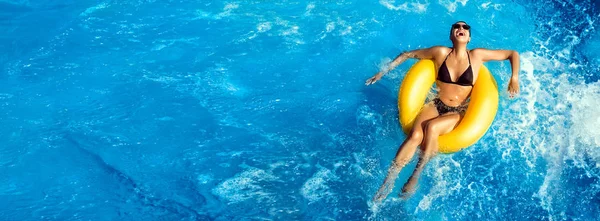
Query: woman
x,y
457,71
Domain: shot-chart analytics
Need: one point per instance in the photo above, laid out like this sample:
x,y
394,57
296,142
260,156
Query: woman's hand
x,y
374,79
513,86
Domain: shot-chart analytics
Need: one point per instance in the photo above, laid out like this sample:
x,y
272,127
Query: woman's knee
x,y
416,136
431,129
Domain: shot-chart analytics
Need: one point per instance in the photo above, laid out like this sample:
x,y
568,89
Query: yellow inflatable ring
x,y
478,118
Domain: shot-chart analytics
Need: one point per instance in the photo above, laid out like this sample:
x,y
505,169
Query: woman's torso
x,y
452,93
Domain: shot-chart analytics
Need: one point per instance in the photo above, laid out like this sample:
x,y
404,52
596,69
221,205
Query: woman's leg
x,y
433,129
406,151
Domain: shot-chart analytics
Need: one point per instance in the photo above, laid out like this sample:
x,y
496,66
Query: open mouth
x,y
461,34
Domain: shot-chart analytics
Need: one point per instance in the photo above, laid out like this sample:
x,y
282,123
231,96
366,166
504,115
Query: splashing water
x,y
249,110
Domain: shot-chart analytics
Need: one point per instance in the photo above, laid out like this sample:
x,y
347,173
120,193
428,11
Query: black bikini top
x,y
466,79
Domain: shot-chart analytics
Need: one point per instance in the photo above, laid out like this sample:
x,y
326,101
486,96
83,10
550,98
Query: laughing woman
x,y
457,70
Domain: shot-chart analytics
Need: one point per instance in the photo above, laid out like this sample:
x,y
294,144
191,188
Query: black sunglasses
x,y
457,26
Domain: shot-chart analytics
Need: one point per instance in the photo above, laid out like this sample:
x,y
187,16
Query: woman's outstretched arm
x,y
427,53
501,55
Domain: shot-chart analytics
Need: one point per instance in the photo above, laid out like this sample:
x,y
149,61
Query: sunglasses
x,y
457,26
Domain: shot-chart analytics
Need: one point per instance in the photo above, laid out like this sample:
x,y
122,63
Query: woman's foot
x,y
409,188
388,183
379,197
384,190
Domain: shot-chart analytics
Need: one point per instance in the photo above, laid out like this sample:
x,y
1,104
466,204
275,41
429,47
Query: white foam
x,y
165,118
317,187
346,31
585,113
92,9
231,154
290,32
448,177
204,178
227,10
406,6
329,27
4,96
489,5
364,165
264,27
367,117
532,89
293,30
230,6
246,185
452,5
554,120
162,79
278,164
158,47
203,15
584,138
309,8
218,78
343,27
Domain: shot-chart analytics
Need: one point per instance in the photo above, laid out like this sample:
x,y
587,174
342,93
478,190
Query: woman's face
x,y
460,33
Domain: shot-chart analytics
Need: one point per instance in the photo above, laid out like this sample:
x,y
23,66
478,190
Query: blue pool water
x,y
257,110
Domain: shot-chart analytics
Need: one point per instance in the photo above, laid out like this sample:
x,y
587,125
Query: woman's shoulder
x,y
481,53
476,51
440,50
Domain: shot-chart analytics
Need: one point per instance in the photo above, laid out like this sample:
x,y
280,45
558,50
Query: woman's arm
x,y
427,53
501,55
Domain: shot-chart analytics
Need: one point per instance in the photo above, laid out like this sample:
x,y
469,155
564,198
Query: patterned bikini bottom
x,y
443,108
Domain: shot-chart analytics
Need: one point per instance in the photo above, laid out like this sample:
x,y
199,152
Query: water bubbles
x,y
246,185
264,27
415,7
452,5
317,187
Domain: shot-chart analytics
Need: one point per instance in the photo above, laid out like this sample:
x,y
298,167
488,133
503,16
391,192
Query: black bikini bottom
x,y
443,108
